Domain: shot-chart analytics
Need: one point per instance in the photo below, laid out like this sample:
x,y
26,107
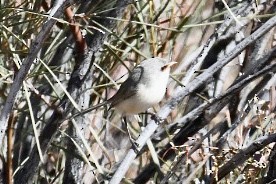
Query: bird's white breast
x,y
147,95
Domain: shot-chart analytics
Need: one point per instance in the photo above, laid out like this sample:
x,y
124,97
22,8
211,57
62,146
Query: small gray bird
x,y
145,87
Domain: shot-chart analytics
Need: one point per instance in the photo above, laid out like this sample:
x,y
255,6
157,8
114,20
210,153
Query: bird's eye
x,y
164,67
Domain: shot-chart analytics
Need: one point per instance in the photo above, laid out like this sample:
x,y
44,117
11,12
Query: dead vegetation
x,y
58,59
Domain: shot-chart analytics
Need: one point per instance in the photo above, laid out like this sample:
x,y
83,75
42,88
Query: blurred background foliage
x,y
86,56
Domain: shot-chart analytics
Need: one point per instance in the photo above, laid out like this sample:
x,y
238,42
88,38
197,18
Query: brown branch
x,y
10,145
75,29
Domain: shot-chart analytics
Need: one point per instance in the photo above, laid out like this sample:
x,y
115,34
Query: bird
x,y
145,87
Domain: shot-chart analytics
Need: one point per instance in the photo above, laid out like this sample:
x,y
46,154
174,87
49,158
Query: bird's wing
x,y
129,87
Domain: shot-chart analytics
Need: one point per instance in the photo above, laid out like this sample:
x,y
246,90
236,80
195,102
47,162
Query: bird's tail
x,y
90,109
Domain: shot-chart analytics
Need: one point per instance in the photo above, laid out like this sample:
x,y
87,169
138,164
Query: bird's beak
x,y
171,63
168,66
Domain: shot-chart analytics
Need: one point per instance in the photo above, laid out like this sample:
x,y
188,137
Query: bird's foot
x,y
158,120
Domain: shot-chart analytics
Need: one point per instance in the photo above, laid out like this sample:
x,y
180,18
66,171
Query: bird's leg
x,y
158,120
132,141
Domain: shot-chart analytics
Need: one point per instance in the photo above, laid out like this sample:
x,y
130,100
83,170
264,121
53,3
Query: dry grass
x,y
70,74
